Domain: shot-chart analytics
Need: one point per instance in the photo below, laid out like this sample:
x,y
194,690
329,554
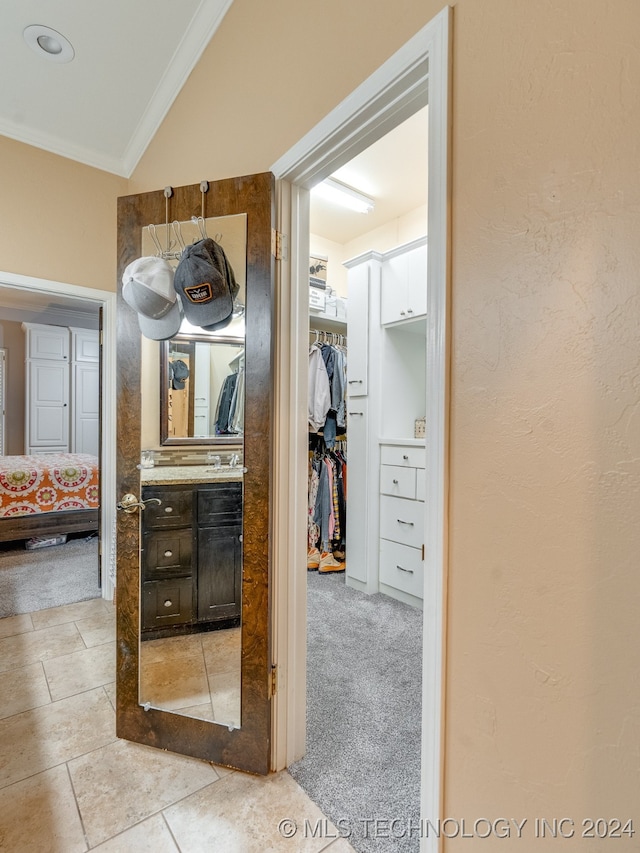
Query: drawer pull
x,y
402,313
405,457
168,553
409,523
356,413
409,310
402,569
168,509
168,602
355,382
395,482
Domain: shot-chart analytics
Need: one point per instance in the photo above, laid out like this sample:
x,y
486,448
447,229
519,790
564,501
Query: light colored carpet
x,y
48,577
364,676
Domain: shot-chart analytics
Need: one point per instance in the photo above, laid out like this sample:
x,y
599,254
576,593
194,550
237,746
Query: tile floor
x,y
196,674
68,784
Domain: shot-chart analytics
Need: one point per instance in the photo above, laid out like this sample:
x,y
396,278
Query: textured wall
x,y
58,217
543,695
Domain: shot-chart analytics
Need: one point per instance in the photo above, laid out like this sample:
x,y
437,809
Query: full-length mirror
x,y
191,529
194,479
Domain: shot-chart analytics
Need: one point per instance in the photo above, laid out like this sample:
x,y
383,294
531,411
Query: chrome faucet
x,y
233,460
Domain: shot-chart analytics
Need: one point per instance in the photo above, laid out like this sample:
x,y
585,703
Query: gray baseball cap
x,y
206,284
147,286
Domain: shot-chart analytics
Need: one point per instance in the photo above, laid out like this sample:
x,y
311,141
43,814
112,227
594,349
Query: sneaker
x,y
313,558
328,563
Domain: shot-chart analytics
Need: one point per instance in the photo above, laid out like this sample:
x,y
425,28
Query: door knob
x,y
130,503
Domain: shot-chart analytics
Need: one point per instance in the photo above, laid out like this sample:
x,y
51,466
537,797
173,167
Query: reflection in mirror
x,y
203,389
191,528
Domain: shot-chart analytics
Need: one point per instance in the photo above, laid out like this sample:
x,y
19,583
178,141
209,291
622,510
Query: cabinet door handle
x,y
403,313
168,553
409,310
408,523
395,482
356,413
168,509
402,569
354,381
168,602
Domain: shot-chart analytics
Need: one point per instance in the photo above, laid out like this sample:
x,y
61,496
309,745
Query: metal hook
x,y
156,240
202,227
177,233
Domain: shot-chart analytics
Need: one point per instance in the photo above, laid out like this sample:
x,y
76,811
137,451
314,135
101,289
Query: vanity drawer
x,y
398,481
173,511
166,602
407,457
220,503
167,553
401,567
402,520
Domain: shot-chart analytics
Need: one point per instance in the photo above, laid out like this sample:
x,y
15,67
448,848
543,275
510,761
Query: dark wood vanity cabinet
x,y
191,557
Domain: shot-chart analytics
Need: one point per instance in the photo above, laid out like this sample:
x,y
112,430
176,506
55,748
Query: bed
x,y
48,493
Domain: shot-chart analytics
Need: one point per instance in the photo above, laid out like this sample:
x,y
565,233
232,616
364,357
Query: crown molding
x,y
197,36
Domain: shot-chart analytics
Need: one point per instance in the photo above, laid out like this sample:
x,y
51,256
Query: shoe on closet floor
x,y
313,558
328,563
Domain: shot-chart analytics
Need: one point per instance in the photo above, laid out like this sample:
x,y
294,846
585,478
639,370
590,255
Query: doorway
x,y
27,299
416,75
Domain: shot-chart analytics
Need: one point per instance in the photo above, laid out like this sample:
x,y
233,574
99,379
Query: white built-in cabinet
x,y
202,392
386,388
62,389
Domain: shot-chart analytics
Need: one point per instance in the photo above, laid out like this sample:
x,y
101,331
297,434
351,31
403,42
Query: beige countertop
x,y
165,475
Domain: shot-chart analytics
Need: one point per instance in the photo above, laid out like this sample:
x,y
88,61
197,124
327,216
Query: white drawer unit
x,y
421,486
407,457
401,520
401,567
398,481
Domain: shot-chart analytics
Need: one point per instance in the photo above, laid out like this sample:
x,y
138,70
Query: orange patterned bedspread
x,y
48,483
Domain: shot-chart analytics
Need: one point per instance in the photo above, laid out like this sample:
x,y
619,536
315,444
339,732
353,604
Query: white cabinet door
x,y
86,408
359,488
49,343
48,404
86,345
404,284
358,326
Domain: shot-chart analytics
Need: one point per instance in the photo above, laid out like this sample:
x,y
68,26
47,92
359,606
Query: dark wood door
x,y
219,573
248,747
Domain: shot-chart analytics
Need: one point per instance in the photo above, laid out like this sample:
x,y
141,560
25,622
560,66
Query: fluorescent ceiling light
x,y
49,43
338,193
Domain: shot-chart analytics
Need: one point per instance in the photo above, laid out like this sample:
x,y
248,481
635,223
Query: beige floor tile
x,y
97,630
124,783
23,689
222,650
171,648
201,712
225,698
11,625
111,692
175,683
241,814
23,649
44,737
40,814
80,671
341,845
150,836
70,612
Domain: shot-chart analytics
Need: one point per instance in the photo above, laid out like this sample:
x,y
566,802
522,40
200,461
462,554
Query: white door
x,y
86,408
49,404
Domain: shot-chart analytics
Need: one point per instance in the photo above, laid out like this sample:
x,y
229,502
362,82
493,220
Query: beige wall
x,y
58,217
543,696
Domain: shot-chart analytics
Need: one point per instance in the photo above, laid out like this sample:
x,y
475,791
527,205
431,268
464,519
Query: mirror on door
x,y
192,490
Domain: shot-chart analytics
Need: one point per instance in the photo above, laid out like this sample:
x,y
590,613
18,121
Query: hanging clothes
x,y
327,510
319,389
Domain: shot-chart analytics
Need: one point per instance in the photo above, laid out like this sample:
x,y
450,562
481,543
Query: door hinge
x,y
423,552
273,680
278,245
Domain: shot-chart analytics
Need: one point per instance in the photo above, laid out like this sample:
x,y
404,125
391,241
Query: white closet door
x,y
86,408
358,330
49,343
49,404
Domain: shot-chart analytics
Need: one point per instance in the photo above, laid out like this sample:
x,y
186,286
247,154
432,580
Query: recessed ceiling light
x,y
48,43
338,193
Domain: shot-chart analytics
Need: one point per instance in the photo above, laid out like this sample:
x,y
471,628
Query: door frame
x,y
417,74
107,300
